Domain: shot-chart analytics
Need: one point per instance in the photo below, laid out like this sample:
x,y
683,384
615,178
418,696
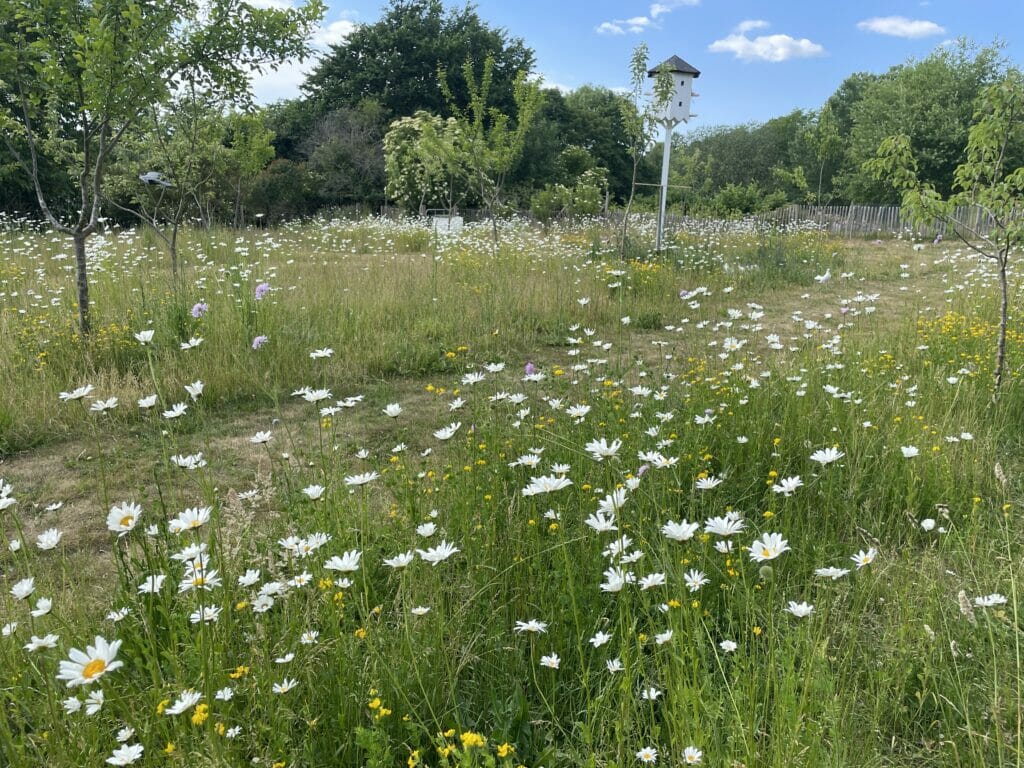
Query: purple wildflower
x,y
530,369
259,341
262,290
200,309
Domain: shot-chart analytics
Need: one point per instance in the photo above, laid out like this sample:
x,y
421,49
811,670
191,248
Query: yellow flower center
x,y
198,581
766,552
94,668
126,521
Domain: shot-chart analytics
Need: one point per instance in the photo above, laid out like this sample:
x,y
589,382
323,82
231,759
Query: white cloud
x,y
658,9
638,24
750,25
900,26
773,48
277,5
609,28
284,82
334,33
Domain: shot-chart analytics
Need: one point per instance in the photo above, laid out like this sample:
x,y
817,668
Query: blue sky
x,y
757,59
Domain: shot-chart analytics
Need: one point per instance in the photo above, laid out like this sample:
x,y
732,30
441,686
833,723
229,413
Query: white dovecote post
x,y
677,110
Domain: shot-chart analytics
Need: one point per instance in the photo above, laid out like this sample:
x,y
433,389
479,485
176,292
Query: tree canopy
x,y
394,61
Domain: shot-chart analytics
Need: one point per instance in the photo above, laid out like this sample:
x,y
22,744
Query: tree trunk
x,y
82,272
173,247
238,203
1003,312
625,213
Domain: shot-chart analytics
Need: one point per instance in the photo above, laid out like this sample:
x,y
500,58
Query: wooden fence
x,y
865,220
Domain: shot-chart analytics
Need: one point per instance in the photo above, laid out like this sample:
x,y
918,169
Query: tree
x,y
826,142
425,160
251,150
640,121
77,75
184,143
930,101
346,153
492,144
284,189
395,61
987,179
594,122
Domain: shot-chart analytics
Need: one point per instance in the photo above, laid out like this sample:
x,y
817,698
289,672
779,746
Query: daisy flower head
x,y
550,661
123,517
679,531
190,519
599,639
314,492
800,610
708,483
76,394
38,643
347,563
768,547
827,455
361,479
692,756
23,588
400,560
724,526
988,601
695,579
831,573
546,484
788,485
533,626
43,607
438,554
188,699
601,449
126,755
88,666
447,433
49,539
863,558
647,755
285,685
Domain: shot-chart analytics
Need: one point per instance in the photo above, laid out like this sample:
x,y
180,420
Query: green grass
x,y
890,669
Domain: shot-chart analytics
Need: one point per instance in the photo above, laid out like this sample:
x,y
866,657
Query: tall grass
x,y
896,665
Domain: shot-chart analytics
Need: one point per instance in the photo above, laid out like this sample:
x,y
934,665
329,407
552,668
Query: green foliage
x,y
986,180
426,162
491,142
344,150
395,60
283,190
75,90
930,101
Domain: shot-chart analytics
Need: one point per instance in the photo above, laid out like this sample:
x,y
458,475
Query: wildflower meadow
x,y
358,494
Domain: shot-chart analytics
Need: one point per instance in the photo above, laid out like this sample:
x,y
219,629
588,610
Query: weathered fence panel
x,y
866,220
